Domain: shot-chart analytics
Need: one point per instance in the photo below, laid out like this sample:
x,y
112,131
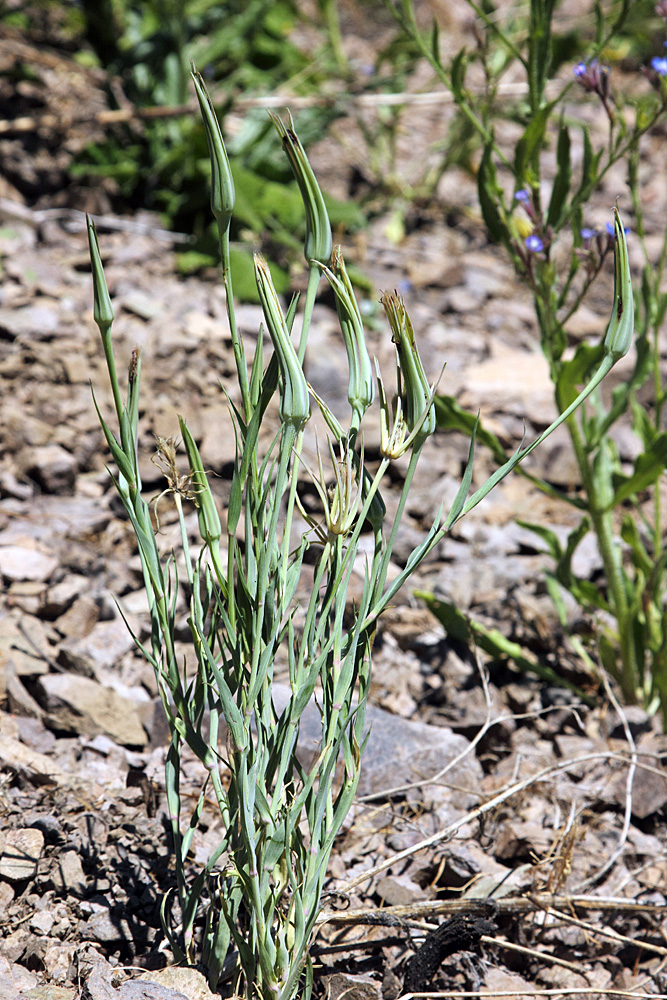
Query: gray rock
x,y
80,619
189,981
399,890
15,981
69,874
34,767
345,986
53,468
35,322
106,928
62,595
42,922
101,649
20,851
82,706
398,752
20,563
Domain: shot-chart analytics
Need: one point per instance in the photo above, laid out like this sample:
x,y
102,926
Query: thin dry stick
x,y
608,932
541,956
578,991
471,817
509,904
611,861
10,126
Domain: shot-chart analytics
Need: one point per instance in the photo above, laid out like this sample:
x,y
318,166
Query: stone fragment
x,y
22,640
49,991
80,705
69,874
77,368
500,981
517,841
34,767
62,595
190,982
80,619
53,468
20,851
58,959
101,649
399,752
21,702
21,563
35,322
13,945
399,890
42,922
345,986
15,980
142,305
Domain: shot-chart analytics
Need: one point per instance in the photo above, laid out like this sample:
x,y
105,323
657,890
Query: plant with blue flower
x,y
534,204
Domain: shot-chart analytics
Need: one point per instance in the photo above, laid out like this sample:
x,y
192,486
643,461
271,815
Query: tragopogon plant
x,y
256,899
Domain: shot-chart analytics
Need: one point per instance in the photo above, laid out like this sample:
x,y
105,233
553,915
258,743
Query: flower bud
x,y
102,308
318,228
417,406
622,323
360,390
294,402
209,521
222,183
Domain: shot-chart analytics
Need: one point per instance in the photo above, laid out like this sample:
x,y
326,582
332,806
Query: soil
x,y
537,858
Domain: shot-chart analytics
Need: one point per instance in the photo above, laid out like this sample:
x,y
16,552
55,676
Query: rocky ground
x,y
508,836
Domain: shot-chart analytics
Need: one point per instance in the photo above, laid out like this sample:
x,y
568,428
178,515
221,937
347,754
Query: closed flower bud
x,y
222,183
622,323
102,308
294,401
318,228
360,390
418,409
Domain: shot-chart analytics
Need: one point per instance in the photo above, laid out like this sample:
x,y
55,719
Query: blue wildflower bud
x,y
222,182
622,323
318,242
360,390
294,401
418,411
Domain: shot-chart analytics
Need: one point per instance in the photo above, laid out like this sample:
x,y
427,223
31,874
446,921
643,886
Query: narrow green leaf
x,y
490,195
562,180
531,142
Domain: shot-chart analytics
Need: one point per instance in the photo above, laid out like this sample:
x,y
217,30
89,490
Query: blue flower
x,y
523,195
610,228
534,244
580,69
659,64
588,234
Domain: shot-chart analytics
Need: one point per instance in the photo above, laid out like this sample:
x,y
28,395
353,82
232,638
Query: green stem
x,y
314,276
610,552
237,342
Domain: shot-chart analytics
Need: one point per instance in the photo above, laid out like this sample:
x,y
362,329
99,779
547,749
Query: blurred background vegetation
x,y
153,154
